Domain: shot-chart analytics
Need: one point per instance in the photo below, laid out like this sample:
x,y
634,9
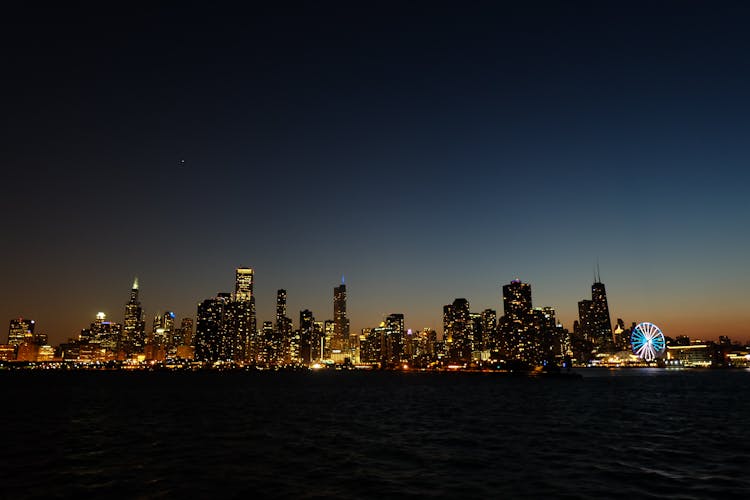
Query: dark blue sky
x,y
427,151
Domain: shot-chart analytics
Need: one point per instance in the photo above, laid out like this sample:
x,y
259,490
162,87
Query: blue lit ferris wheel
x,y
648,341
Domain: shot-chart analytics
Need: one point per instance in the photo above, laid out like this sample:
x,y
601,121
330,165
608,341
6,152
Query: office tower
x,y
457,330
601,322
595,323
265,344
20,330
211,343
243,284
163,330
318,342
369,346
306,336
102,334
240,336
519,338
489,330
133,326
282,351
517,300
341,323
186,332
328,338
393,339
585,319
239,321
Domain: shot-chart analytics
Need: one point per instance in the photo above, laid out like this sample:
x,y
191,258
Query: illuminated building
x,y
319,341
594,321
306,334
133,326
517,300
393,339
281,348
185,337
162,332
211,342
7,352
102,334
340,321
243,284
46,353
20,330
239,331
328,331
519,338
457,331
698,355
601,324
241,318
266,354
369,346
489,330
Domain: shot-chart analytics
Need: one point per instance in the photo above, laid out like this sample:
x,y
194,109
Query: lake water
x,y
636,433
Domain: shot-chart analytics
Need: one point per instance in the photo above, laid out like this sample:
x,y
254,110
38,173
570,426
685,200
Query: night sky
x,y
426,151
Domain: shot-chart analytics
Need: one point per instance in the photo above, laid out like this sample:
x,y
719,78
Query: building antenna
x,y
598,274
343,281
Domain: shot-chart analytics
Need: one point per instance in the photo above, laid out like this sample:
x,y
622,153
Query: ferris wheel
x,y
648,341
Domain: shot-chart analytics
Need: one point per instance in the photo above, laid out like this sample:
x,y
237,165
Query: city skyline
x,y
326,311
426,151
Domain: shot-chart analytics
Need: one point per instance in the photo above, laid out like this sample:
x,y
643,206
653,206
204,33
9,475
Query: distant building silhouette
x,y
133,326
457,331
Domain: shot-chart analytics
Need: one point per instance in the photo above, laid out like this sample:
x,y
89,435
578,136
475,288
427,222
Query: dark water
x,y
627,434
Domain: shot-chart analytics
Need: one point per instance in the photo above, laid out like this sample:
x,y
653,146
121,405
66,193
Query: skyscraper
x,y
601,321
517,300
133,327
20,330
240,321
519,337
211,343
457,329
243,284
393,339
282,351
341,323
306,336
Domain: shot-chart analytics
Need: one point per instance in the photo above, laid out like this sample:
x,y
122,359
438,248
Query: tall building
x,y
602,323
102,334
186,332
457,331
133,326
20,330
393,343
517,300
243,284
519,337
306,336
211,342
489,330
341,323
595,323
240,320
283,332
163,330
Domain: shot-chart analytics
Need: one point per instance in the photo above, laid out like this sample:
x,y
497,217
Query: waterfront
x,y
658,433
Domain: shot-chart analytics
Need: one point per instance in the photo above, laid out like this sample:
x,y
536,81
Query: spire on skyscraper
x,y
135,283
